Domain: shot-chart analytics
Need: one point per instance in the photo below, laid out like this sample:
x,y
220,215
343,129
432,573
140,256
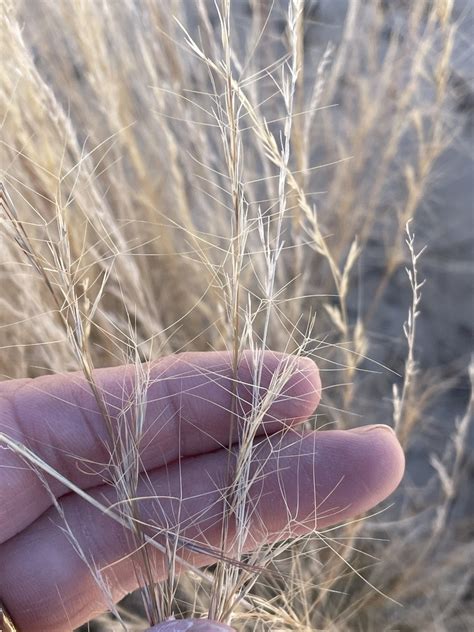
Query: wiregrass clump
x,y
189,176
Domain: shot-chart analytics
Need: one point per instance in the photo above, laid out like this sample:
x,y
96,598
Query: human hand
x,y
309,480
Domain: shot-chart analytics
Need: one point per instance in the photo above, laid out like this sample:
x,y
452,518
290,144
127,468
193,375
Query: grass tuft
x,y
198,176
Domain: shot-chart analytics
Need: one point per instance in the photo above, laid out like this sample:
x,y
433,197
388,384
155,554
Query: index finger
x,y
188,412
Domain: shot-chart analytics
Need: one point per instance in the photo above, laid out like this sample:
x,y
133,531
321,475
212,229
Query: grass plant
x,y
188,176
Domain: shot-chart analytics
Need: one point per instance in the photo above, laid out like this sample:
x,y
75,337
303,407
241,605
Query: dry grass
x,y
170,188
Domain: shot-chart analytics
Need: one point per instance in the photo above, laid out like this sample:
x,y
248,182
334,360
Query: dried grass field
x,y
185,175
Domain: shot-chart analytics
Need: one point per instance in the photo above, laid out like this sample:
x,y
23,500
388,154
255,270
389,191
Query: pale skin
x,y
309,480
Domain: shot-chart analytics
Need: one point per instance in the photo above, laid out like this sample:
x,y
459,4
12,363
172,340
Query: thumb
x,y
191,625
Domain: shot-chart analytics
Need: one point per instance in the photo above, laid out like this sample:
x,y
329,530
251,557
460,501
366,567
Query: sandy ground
x,y
445,223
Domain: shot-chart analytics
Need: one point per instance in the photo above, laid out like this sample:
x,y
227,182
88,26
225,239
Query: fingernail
x,y
372,427
191,625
